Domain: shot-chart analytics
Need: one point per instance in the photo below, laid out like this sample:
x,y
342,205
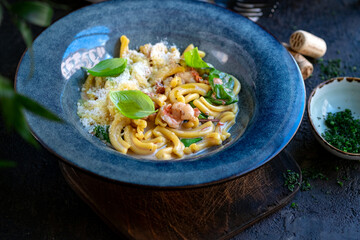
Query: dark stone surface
x,y
36,202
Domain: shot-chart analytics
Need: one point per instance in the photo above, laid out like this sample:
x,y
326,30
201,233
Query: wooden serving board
x,y
218,211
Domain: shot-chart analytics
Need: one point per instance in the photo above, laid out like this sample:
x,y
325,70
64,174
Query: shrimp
x,y
165,114
186,77
183,111
217,81
174,114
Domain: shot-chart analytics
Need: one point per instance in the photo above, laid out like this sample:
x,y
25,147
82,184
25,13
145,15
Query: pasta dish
x,y
158,102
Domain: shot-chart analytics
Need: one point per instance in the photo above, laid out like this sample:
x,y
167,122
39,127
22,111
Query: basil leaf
x,y
133,104
108,67
188,141
37,13
193,59
221,94
203,116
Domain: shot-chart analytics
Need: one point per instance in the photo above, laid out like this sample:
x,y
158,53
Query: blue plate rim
x,y
183,184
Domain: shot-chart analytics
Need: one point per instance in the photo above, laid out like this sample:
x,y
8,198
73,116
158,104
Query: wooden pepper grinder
x,y
307,44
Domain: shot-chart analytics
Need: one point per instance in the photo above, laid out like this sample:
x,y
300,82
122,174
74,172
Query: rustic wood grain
x,y
211,212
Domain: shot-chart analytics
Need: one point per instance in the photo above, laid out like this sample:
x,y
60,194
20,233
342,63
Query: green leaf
x,y
109,67
102,132
1,14
38,13
6,91
7,164
14,118
221,93
203,116
23,129
7,101
25,32
36,108
193,59
188,141
11,106
133,104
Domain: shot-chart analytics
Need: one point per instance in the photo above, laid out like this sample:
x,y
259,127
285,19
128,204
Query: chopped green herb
x,y
188,141
294,205
310,174
305,185
102,132
330,68
343,131
291,179
340,183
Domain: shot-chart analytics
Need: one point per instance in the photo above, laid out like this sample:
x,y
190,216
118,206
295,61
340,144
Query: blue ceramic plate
x,y
272,99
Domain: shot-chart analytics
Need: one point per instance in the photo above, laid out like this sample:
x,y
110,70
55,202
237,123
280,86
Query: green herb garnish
x,y
291,179
294,205
343,131
102,132
310,174
341,184
330,68
108,67
133,104
193,59
220,94
202,116
188,141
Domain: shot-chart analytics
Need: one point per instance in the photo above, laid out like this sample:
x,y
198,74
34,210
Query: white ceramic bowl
x,y
334,95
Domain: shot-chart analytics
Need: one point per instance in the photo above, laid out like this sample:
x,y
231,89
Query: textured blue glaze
x,y
272,99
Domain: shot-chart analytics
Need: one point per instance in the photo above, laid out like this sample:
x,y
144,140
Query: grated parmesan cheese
x,y
93,109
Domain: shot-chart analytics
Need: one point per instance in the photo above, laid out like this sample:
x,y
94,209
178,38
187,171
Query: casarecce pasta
x,y
195,104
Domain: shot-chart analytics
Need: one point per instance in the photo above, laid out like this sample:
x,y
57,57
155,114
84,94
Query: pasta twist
x,y
178,148
115,131
189,88
179,93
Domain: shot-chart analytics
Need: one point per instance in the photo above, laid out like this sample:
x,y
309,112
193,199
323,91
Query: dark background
x,y
37,203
